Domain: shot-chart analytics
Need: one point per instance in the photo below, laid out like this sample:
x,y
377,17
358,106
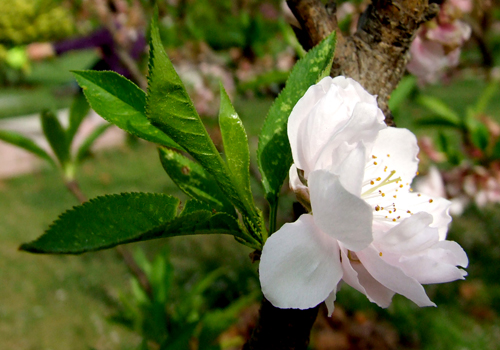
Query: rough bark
x,y
376,55
282,328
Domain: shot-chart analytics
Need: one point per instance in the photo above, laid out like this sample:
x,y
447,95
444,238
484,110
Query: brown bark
x,y
376,55
282,329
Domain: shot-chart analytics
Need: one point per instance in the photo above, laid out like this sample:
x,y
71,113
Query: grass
x,y
57,302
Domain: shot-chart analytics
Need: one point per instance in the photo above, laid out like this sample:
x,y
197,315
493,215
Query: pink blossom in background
x,y
436,47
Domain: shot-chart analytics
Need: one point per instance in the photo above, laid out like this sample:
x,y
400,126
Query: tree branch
x,y
282,329
376,55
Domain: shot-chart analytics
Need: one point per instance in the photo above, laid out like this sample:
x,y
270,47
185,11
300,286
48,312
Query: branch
x,y
376,55
281,329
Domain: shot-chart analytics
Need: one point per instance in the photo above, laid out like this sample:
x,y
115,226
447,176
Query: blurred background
x,y
205,290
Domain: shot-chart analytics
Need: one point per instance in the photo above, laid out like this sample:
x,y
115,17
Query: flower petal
x,y
330,301
412,235
339,213
438,207
397,150
393,277
300,265
352,170
356,276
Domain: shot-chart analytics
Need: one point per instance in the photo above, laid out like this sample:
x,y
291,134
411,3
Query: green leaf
x,y
235,142
440,109
193,180
495,153
486,96
171,110
56,136
108,221
274,153
437,121
26,144
77,112
120,102
405,88
84,148
480,136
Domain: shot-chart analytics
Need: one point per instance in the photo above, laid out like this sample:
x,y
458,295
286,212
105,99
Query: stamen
x,y
386,181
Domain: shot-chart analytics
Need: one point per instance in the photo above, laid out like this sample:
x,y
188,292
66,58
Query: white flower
x,y
356,174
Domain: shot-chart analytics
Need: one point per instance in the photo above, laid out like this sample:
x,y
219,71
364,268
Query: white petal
x,y
411,235
352,170
426,270
397,150
455,254
363,126
356,276
300,265
436,265
338,212
393,277
438,207
330,301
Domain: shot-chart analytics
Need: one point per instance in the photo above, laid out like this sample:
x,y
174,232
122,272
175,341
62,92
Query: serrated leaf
x,y
120,102
84,148
274,153
170,108
193,180
56,136
107,221
235,140
104,222
77,112
26,144
439,108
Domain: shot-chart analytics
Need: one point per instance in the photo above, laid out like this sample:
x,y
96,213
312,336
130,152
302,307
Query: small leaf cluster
x,y
60,139
479,144
173,322
219,185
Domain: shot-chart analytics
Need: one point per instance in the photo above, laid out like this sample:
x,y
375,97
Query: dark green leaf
x,y
77,112
84,149
274,153
235,142
171,110
122,103
26,144
437,121
56,136
107,221
495,153
480,136
439,108
193,180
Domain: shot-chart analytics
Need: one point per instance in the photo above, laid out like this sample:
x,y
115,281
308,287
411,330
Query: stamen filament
x,y
383,183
